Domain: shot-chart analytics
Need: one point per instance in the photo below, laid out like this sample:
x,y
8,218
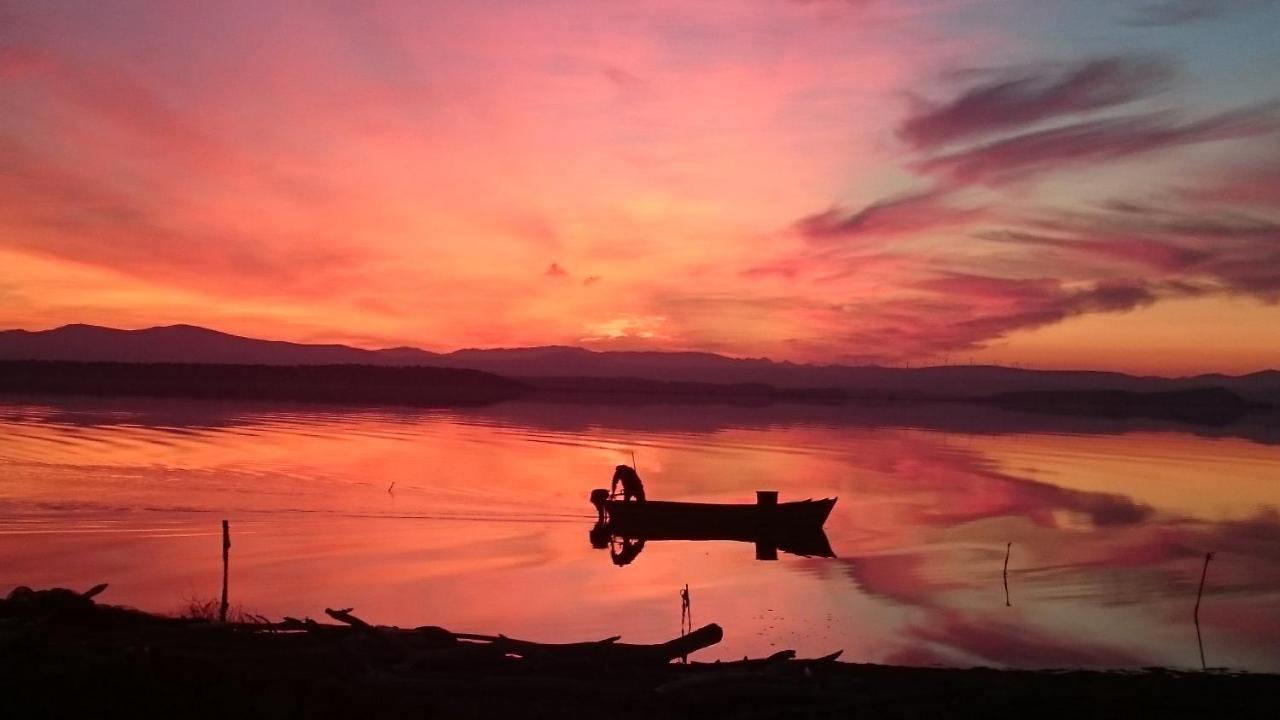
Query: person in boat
x,y
631,485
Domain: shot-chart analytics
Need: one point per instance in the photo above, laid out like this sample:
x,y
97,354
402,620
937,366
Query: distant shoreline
x,y
337,384
415,386
1200,406
668,373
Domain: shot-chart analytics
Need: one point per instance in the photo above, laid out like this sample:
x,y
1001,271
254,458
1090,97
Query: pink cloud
x,y
1251,185
784,269
1136,251
988,273
905,214
79,219
954,312
344,166
1182,12
1023,155
1026,96
1198,247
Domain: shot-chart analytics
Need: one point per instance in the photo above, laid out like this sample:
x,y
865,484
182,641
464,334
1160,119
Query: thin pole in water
x,y
1007,549
686,616
226,554
686,613
1196,613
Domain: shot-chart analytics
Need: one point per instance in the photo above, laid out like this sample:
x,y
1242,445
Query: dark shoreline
x,y
421,386
1196,406
63,656
334,384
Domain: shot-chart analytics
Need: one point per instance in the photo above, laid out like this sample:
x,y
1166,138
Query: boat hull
x,y
806,542
656,518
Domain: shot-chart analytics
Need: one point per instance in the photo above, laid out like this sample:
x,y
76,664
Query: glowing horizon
x,y
1082,186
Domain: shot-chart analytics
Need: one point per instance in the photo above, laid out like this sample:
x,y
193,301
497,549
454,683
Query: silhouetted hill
x,y
185,344
188,344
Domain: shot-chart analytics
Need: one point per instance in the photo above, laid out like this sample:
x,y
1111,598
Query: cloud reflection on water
x,y
490,505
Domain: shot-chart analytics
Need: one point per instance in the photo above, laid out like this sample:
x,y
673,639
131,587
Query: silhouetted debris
x,y
63,655
345,616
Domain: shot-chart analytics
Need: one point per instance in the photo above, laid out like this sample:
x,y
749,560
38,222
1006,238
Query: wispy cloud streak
x,y
1028,96
1094,141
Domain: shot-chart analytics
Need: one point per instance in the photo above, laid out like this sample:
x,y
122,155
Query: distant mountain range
x,y
553,365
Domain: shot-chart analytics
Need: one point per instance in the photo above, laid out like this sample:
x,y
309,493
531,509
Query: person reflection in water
x,y
631,485
626,550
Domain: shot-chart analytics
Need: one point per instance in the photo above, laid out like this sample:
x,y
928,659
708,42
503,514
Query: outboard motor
x,y
599,497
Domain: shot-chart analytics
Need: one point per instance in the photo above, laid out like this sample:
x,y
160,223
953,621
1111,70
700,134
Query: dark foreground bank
x,y
62,655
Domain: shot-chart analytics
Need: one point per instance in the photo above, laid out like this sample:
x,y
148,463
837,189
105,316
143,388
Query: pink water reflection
x,y
485,529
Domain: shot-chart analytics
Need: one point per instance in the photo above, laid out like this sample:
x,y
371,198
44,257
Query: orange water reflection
x,y
485,528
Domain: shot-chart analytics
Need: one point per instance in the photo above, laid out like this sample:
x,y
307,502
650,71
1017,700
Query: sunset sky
x,y
1093,183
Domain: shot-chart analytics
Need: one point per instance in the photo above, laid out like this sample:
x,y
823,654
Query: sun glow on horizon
x,y
866,182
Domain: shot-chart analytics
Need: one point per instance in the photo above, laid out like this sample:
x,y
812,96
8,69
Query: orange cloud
x,y
313,172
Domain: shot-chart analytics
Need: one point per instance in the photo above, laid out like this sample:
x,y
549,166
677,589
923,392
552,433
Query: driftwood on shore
x,y
608,650
64,655
404,645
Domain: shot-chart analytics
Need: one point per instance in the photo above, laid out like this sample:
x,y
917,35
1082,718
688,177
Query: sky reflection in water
x,y
486,529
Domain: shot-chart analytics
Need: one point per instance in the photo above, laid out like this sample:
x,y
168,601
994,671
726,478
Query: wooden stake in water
x,y
226,554
1007,549
686,616
1196,613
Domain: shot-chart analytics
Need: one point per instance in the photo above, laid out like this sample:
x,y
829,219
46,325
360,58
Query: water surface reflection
x,y
484,529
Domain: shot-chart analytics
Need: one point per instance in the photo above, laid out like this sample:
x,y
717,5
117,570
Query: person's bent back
x,y
631,485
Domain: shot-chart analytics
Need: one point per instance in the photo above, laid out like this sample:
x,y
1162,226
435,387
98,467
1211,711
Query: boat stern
x,y
599,497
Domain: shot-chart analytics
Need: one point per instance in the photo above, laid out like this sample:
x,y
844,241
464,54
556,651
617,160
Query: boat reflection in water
x,y
795,527
624,547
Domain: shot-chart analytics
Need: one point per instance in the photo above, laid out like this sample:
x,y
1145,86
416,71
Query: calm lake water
x,y
486,527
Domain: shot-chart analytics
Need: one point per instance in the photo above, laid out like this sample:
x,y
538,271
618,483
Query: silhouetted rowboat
x,y
768,516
